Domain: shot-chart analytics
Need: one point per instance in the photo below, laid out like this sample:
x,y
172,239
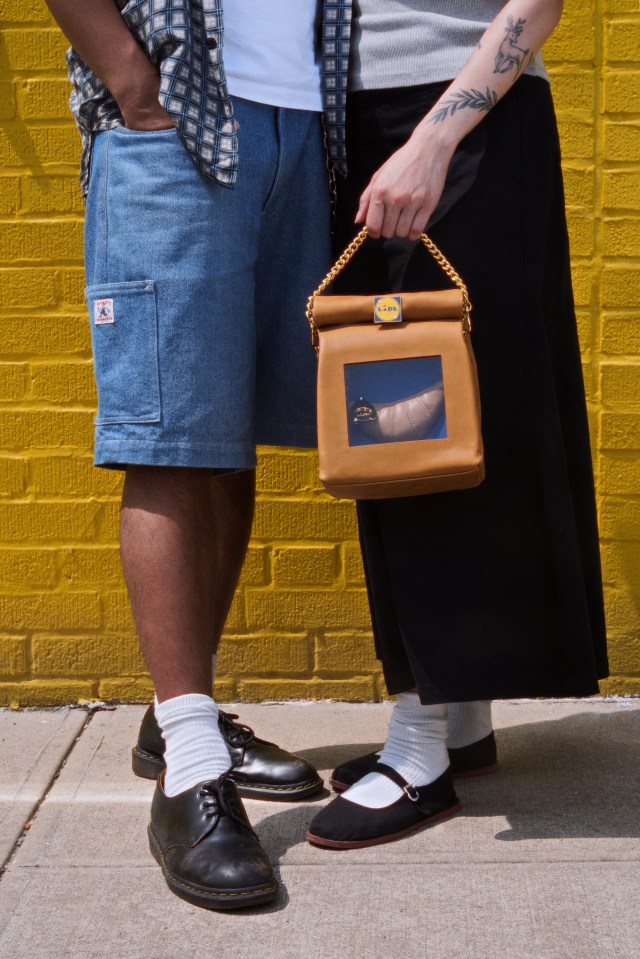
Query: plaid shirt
x,y
183,39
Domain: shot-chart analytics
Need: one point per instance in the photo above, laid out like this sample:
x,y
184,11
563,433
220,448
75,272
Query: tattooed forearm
x,y
509,54
461,99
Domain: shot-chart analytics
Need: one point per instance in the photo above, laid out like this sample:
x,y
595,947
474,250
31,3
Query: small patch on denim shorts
x,y
103,312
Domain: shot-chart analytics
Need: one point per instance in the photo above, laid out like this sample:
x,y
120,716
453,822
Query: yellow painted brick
x,y
116,613
620,518
621,140
620,565
46,692
307,608
621,385
584,322
620,474
18,11
621,236
86,656
573,39
224,690
10,196
126,690
255,571
28,287
46,428
64,382
52,194
26,567
621,190
382,693
237,618
43,99
582,276
620,287
620,335
54,240
579,186
96,566
622,40
48,147
622,91
13,476
14,659
344,652
34,49
283,472
305,565
620,686
574,92
47,522
581,235
360,690
622,608
353,569
304,519
620,6
7,100
620,431
72,475
624,656
48,335
576,138
252,655
50,611
71,284
13,381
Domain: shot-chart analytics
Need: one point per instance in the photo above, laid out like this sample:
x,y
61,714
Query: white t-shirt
x,y
270,52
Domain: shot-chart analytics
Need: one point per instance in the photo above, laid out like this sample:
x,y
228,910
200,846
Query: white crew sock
x,y
195,748
416,748
468,722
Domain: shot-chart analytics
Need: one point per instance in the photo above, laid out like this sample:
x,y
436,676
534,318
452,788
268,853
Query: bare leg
x,y
183,536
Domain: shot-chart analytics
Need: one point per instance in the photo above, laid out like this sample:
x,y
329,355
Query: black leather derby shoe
x,y
477,759
346,825
206,848
261,770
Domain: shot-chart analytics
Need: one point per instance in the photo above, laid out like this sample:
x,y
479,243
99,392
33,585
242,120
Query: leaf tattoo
x,y
465,99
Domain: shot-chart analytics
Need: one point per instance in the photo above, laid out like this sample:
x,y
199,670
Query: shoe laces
x,y
236,734
213,802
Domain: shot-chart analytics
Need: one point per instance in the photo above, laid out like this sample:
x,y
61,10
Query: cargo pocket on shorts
x,y
124,335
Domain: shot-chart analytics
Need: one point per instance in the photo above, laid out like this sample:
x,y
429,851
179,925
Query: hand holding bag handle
x,y
353,248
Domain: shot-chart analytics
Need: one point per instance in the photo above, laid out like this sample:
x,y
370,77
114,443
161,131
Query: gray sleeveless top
x,y
397,43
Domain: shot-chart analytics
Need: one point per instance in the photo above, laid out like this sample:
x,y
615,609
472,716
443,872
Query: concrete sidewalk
x,y
542,863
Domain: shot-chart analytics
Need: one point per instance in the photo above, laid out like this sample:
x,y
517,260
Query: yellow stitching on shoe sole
x,y
202,892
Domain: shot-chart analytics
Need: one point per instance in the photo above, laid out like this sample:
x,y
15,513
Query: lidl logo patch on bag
x,y
387,309
103,312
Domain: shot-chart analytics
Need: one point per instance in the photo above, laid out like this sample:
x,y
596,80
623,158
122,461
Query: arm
x,y
404,192
106,44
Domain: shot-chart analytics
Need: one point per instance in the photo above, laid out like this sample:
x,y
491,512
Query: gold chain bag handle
x,y
353,248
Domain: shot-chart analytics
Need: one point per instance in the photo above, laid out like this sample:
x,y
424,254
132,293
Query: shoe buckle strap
x,y
410,791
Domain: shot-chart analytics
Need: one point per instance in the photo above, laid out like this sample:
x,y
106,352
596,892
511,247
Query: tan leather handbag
x,y
398,401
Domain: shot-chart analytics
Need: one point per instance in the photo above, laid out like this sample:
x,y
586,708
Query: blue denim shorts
x,y
197,293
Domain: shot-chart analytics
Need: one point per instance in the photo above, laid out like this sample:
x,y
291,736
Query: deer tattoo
x,y
509,53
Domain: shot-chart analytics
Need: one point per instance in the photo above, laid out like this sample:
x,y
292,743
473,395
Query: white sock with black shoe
x,y
195,748
469,723
416,748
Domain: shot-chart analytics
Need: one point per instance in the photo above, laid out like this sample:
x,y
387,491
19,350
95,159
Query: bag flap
x,y
430,305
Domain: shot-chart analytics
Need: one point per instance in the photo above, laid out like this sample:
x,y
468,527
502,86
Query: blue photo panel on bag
x,y
394,401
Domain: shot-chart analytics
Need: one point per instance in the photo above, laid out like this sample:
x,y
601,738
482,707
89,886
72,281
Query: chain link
x,y
353,248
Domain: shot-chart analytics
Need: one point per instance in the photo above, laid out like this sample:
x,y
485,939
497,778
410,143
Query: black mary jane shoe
x,y
261,770
206,848
346,825
477,759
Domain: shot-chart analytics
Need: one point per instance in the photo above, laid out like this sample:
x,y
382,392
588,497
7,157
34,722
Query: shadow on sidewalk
x,y
572,778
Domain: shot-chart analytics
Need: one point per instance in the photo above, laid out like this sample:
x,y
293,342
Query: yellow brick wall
x,y
299,625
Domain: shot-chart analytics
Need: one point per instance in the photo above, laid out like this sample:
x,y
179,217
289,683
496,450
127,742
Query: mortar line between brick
x,y
35,809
